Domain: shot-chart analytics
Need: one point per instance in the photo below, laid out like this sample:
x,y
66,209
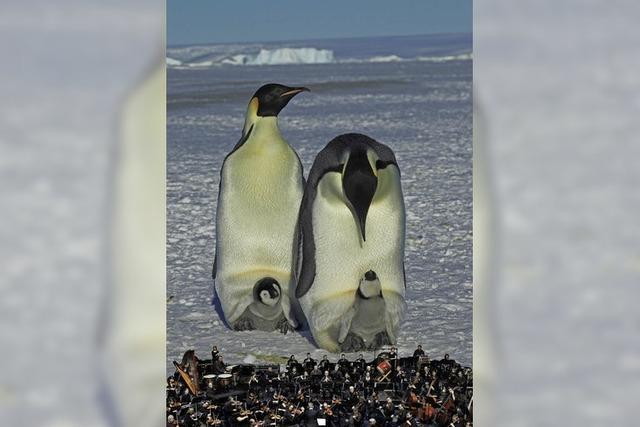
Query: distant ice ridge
x,y
291,56
396,58
279,56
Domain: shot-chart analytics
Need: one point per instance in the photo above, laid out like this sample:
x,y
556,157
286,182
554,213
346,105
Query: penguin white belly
x,y
342,258
260,193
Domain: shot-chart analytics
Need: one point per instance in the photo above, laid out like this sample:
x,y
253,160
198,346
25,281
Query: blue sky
x,y
220,21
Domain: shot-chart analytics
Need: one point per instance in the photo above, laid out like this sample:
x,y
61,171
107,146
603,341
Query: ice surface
x,y
421,109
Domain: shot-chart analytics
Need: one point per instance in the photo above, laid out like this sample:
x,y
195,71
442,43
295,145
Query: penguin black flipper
x,y
239,144
327,161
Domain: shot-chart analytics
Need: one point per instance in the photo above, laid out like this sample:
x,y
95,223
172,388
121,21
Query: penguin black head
x,y
272,98
370,275
369,286
267,291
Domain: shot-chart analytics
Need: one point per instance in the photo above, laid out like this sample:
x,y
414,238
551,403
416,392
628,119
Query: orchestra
x,y
388,391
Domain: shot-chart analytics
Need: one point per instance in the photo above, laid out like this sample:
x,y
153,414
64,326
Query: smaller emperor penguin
x,y
350,281
261,187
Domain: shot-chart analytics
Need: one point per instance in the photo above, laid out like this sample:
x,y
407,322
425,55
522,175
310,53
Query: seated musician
x,y
399,380
218,366
171,388
360,363
389,408
171,421
337,375
324,363
316,373
447,365
254,381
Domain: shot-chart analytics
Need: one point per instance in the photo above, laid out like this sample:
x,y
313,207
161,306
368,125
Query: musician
x,y
350,397
218,366
360,364
185,396
214,353
419,352
308,363
337,375
210,386
356,418
324,363
347,381
388,409
393,357
447,364
326,384
171,388
402,412
254,381
400,380
311,415
291,362
343,363
410,421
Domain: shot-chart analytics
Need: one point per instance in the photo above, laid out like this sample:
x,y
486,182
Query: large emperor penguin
x,y
350,281
261,187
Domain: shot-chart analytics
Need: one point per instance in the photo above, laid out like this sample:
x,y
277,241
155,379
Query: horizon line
x,y
317,39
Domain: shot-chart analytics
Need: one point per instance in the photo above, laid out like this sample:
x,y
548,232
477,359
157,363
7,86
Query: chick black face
x,y
267,291
273,97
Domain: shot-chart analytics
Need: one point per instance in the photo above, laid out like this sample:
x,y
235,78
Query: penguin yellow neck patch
x,y
252,114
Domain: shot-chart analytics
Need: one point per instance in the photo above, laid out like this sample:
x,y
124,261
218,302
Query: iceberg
x,y
287,55
276,56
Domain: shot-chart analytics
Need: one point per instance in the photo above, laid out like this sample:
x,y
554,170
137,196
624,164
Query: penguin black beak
x,y
359,184
294,91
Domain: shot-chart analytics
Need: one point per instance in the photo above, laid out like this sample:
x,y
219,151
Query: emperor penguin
x,y
261,187
350,280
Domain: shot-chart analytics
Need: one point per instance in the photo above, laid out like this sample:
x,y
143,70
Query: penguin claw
x,y
283,326
352,343
380,340
243,325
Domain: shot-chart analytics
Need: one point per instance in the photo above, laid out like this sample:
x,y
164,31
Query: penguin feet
x,y
243,324
352,343
283,326
380,340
